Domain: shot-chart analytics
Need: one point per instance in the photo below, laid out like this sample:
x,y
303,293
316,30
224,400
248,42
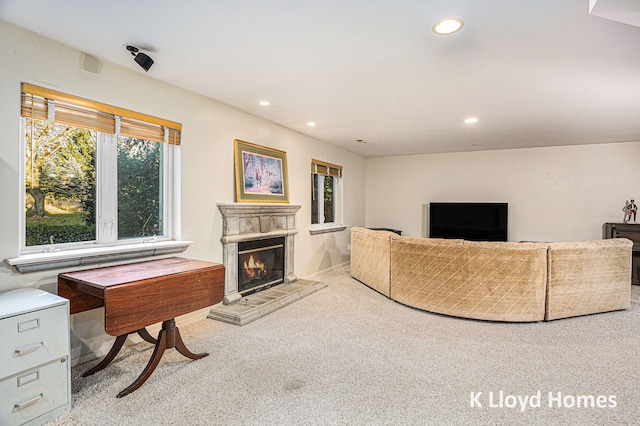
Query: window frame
x,y
335,172
107,195
319,181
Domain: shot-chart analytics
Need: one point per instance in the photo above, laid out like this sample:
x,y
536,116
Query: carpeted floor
x,y
348,355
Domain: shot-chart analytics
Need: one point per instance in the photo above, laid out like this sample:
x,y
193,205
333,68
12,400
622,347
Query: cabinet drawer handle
x,y
29,349
28,403
28,325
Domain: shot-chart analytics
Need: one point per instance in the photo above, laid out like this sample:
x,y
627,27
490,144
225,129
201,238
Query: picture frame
x,y
261,174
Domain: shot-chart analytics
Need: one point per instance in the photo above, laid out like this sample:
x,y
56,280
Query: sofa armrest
x,y
370,258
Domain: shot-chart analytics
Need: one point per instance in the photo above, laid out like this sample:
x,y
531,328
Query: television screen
x,y
469,221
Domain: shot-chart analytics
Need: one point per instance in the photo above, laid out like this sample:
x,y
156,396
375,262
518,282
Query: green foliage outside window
x,y
60,183
139,188
328,200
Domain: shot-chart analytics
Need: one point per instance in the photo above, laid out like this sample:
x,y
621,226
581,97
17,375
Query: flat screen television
x,y
469,221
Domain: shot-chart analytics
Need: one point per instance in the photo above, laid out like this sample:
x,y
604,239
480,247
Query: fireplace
x,y
260,264
262,236
252,230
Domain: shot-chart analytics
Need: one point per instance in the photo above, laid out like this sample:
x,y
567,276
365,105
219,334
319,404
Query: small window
x,y
326,194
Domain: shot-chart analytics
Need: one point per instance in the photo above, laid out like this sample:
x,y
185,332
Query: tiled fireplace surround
x,y
253,221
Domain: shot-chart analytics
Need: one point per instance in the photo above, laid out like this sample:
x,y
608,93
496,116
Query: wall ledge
x,y
89,256
324,229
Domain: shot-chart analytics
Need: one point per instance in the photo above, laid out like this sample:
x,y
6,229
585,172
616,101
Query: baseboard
x,y
315,275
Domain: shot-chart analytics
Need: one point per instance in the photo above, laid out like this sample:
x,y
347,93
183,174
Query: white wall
x,y
209,129
554,194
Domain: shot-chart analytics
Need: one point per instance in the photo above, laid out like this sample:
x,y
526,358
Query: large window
x,y
326,196
95,175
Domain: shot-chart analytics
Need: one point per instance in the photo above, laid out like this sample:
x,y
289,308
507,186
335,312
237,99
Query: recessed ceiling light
x,y
447,26
264,103
311,124
471,120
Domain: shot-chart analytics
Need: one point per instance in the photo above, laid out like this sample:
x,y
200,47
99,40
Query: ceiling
x,y
534,73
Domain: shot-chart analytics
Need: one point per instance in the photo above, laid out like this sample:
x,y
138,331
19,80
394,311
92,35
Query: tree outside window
x,y
60,182
140,209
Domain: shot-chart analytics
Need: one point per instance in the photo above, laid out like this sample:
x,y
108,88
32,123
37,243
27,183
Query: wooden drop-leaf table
x,y
138,295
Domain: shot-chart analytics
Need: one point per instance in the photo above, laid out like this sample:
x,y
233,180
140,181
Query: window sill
x,y
323,229
88,256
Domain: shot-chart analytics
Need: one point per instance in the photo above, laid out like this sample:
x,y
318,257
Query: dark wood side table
x,y
397,231
138,295
632,232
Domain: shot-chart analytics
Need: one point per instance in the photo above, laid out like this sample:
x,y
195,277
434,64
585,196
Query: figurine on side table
x,y
630,209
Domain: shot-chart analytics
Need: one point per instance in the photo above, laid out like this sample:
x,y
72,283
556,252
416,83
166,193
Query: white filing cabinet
x,y
35,370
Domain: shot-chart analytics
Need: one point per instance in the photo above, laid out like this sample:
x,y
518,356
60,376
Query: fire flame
x,y
254,267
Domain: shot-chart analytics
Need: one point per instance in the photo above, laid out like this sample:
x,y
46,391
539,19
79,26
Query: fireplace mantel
x,y
253,221
252,209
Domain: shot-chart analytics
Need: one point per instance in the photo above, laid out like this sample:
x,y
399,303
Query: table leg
x,y
180,347
117,345
169,337
161,345
110,356
146,336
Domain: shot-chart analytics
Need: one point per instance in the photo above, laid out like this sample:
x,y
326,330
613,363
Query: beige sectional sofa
x,y
497,281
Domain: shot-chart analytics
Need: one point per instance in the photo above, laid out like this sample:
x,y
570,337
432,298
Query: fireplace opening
x,y
260,264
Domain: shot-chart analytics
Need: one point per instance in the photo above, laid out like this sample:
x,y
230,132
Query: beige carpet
x,y
347,355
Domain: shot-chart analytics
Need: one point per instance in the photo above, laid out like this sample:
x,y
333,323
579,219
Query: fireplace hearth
x,y
262,236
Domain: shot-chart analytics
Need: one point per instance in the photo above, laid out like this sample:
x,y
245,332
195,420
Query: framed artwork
x,y
261,174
